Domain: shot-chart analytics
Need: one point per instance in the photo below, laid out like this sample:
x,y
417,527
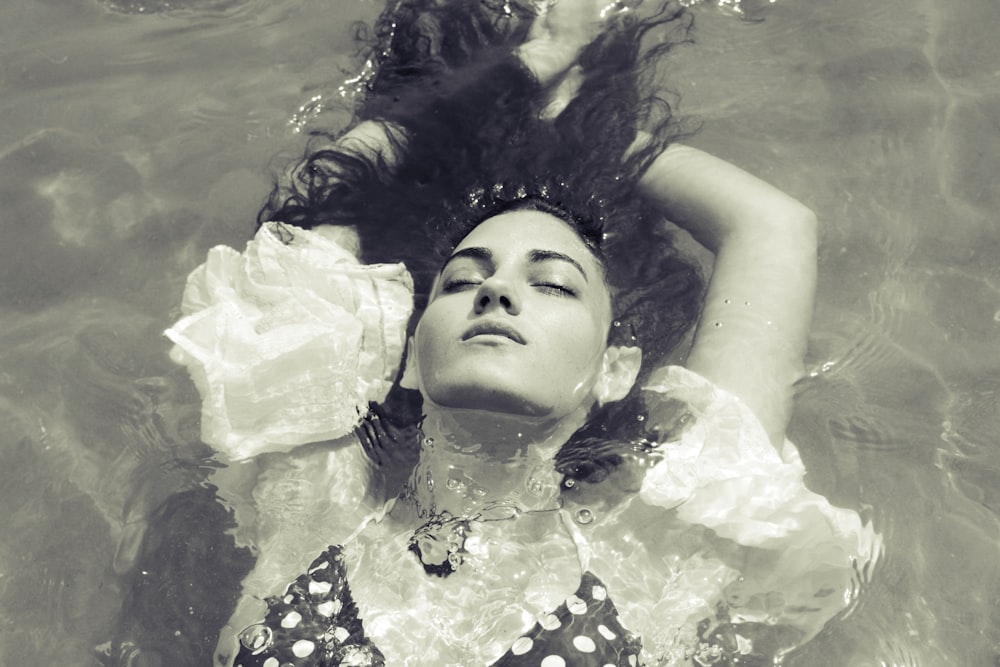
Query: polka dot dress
x,y
583,632
315,623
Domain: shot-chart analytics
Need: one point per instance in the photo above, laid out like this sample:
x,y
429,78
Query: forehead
x,y
517,232
516,235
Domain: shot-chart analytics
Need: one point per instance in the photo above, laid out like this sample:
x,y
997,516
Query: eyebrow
x,y
534,256
479,254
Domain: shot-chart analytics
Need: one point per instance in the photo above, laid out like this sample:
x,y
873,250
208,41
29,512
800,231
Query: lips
x,y
494,329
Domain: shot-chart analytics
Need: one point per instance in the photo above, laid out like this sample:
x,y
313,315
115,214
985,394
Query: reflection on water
x,y
750,10
136,135
154,6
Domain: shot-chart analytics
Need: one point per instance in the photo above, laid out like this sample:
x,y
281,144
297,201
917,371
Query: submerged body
x,y
707,542
482,576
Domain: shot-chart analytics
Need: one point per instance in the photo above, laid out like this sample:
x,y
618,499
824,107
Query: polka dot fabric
x,y
583,632
314,623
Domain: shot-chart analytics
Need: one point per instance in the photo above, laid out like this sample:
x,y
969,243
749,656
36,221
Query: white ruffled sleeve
x,y
722,472
289,340
803,559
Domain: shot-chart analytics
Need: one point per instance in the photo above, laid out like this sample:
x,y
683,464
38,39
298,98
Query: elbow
x,y
792,214
806,219
807,225
796,228
782,228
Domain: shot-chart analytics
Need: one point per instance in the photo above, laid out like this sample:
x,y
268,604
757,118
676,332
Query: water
x,y
136,135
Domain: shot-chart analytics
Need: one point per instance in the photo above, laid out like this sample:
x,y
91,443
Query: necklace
x,y
440,542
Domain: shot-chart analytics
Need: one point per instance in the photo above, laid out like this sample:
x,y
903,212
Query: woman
x,y
529,531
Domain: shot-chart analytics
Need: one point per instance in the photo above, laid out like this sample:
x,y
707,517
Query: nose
x,y
496,292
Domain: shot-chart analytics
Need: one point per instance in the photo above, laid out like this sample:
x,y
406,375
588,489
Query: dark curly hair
x,y
465,117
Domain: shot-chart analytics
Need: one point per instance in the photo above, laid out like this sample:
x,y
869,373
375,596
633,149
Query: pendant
x,y
440,543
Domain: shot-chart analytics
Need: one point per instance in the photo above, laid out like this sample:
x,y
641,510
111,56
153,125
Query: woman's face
x,y
517,320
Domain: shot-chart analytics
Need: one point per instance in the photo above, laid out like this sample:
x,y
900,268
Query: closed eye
x,y
555,289
459,285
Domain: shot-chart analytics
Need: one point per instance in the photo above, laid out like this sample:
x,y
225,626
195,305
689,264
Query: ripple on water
x,y
969,438
165,6
107,468
747,10
53,574
71,210
870,390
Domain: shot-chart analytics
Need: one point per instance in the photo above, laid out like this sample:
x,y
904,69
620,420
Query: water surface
x,y
135,135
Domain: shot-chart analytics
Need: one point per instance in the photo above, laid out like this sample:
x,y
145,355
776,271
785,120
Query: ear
x,y
409,379
618,372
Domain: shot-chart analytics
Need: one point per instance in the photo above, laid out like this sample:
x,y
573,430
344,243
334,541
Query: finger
x,y
369,441
382,433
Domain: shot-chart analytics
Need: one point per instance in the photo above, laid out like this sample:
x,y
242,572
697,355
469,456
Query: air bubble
x,y
257,637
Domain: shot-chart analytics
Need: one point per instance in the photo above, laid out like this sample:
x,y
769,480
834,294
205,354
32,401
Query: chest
x,y
487,583
459,592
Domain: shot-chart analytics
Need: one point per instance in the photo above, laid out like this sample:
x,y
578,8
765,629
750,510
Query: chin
x,y
488,399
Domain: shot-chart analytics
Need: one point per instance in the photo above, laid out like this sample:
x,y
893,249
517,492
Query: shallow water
x,y
135,135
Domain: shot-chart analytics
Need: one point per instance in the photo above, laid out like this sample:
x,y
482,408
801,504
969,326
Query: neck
x,y
472,461
495,437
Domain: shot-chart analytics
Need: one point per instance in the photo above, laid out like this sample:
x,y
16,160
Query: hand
x,y
393,449
561,31
575,22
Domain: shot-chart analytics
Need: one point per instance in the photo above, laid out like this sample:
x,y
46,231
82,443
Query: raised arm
x,y
752,334
750,342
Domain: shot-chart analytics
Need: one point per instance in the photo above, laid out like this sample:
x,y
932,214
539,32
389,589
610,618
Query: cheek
x,y
430,355
581,344
437,320
429,337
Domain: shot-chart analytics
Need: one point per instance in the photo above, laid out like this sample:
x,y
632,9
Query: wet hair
x,y
465,118
585,229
